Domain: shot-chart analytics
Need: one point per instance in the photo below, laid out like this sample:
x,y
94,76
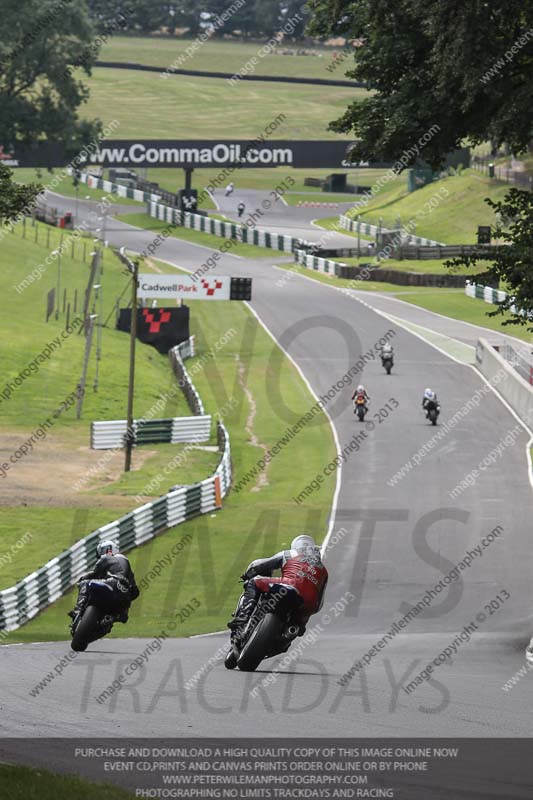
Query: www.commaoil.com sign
x,y
201,153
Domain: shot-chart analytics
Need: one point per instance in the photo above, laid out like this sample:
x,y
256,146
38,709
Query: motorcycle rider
x,y
360,392
387,351
113,569
301,567
430,401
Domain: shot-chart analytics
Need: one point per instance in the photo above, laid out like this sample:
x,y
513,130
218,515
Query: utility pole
x,y
133,267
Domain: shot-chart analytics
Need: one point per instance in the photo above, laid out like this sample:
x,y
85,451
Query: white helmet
x,y
303,543
429,394
106,548
360,388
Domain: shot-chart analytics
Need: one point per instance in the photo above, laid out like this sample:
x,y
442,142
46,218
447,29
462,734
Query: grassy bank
x,y
202,107
455,215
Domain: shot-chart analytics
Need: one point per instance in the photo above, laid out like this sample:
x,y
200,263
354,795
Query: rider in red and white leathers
x,y
301,568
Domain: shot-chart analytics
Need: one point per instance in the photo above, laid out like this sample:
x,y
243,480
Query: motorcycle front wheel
x,y
85,631
260,642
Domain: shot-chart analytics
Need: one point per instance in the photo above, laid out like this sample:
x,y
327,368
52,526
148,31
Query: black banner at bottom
x,y
405,769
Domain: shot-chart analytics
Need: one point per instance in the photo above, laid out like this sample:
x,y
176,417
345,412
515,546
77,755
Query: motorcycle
x,y
269,631
432,412
360,407
387,362
96,620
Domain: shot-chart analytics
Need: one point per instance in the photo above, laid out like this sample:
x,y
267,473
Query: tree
x,y
39,94
462,70
14,197
513,261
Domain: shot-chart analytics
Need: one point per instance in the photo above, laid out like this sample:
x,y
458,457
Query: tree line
x,y
246,19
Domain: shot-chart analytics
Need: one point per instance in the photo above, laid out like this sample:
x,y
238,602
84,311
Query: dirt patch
x,y
262,479
58,471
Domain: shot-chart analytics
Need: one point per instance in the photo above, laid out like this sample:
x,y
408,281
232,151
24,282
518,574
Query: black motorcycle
x,y
269,631
96,620
387,362
360,407
432,412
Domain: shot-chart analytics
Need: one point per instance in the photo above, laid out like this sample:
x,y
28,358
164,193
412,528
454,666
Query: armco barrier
x,y
488,294
226,230
176,356
109,434
32,594
513,388
374,272
356,226
116,188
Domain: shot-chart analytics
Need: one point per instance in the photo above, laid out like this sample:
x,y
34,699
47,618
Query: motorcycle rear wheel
x,y
85,631
259,643
230,662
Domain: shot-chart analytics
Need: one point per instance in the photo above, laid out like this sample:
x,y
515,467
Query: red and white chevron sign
x,y
183,286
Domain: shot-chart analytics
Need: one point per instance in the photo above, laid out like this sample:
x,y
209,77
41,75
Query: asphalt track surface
x,y
398,542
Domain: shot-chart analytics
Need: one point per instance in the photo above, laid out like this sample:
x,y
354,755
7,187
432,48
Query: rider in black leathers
x,y
430,401
113,569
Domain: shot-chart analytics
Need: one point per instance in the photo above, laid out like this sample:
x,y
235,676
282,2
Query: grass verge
x,y
23,783
208,240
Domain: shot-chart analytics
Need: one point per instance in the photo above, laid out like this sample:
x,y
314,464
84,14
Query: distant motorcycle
x,y
269,631
432,412
360,407
97,619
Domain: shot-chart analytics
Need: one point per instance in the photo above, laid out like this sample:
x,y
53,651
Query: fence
x,y
374,272
110,434
116,188
227,230
422,252
501,173
489,295
513,388
358,227
176,356
32,594
517,361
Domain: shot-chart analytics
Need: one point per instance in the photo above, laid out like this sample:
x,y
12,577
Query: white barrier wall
x,y
513,388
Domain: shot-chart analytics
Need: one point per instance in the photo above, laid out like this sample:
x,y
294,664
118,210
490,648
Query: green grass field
x,y
28,333
190,235
266,179
218,56
185,107
23,783
455,217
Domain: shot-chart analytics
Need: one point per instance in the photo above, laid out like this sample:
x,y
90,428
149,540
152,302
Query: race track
x,y
398,541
